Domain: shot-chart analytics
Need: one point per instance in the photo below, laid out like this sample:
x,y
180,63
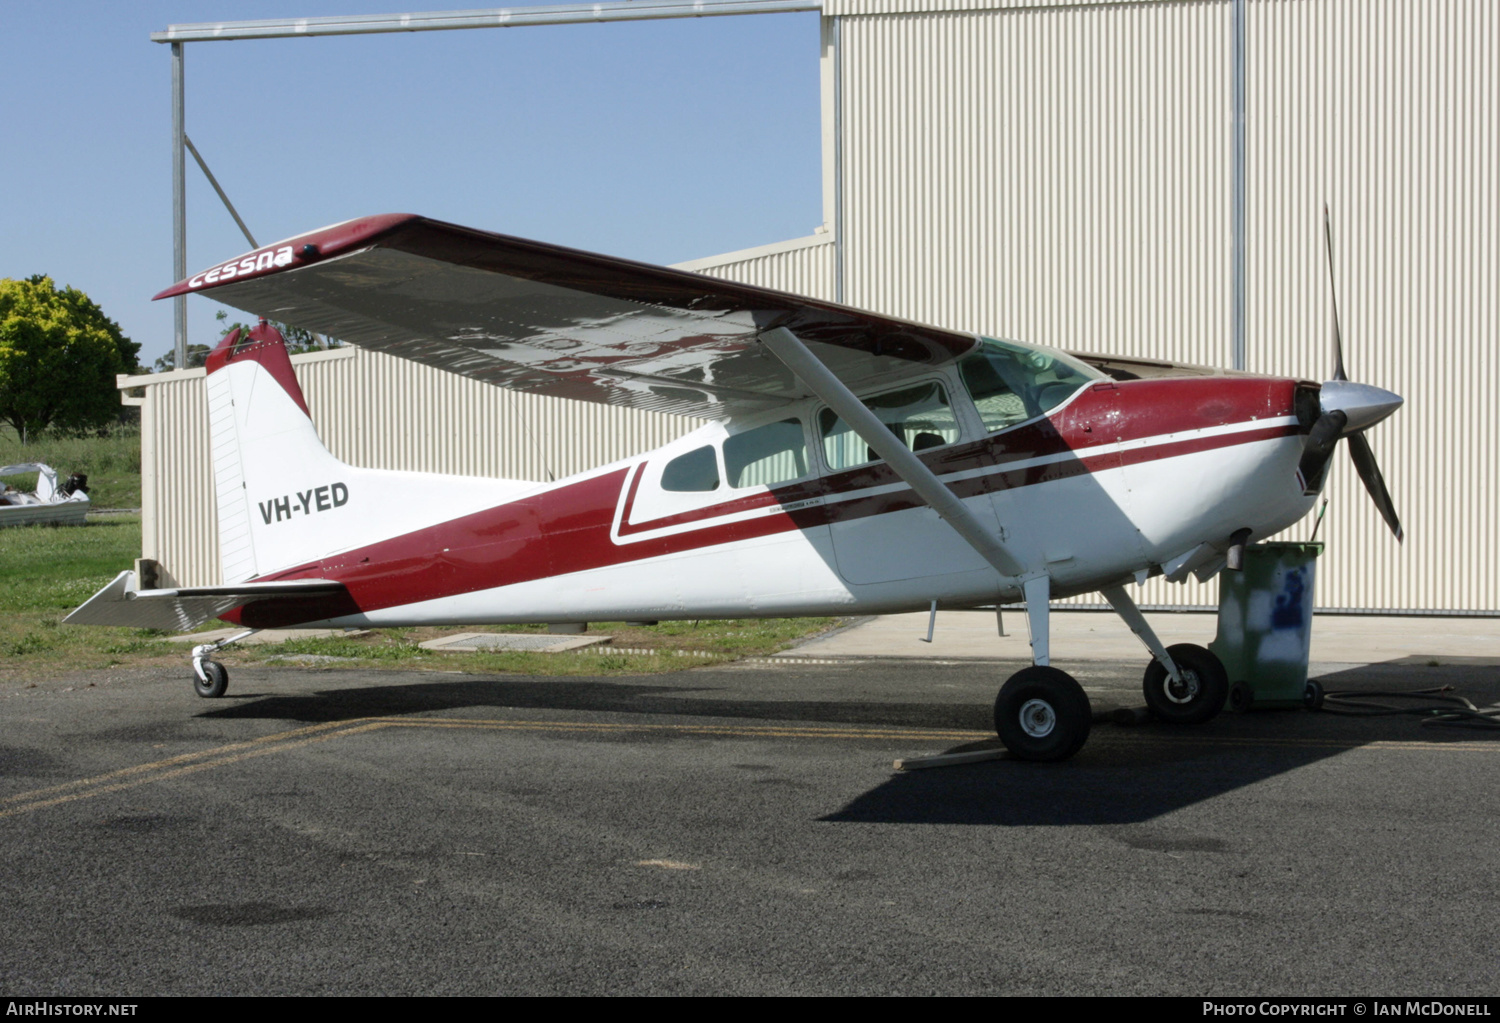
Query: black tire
x,y
217,684
1198,697
1312,696
1042,714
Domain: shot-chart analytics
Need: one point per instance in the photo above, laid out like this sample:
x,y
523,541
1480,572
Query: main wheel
x,y
1194,698
1042,714
216,685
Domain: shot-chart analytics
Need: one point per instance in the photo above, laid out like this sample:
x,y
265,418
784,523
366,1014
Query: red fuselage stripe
x,y
568,529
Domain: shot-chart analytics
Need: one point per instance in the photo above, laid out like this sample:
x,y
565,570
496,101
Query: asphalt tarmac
x,y
734,830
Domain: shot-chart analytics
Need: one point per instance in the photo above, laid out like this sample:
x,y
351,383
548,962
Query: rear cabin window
x,y
766,455
920,417
694,472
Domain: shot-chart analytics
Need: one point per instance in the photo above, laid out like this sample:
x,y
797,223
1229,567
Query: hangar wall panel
x,y
835,8
1058,175
1052,174
1387,110
178,527
1062,174
807,269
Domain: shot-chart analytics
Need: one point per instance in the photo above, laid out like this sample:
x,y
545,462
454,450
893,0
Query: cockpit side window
x,y
766,455
919,416
695,472
1011,383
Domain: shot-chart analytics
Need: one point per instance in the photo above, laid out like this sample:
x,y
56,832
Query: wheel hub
x,y
1184,688
1038,718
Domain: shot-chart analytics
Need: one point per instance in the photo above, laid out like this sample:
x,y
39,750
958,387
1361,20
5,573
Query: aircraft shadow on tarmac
x,y
592,695
1124,775
1131,775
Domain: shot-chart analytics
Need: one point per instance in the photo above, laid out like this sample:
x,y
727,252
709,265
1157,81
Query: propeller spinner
x,y
1346,410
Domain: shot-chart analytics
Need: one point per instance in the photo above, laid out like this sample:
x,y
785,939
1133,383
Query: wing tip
x,y
290,253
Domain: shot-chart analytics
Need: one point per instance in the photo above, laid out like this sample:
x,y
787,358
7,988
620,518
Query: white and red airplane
x,y
856,464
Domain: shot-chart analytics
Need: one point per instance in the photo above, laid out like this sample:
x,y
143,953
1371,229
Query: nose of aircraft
x,y
1362,404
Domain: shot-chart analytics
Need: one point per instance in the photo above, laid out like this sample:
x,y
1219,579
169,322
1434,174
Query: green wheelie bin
x,y
1265,627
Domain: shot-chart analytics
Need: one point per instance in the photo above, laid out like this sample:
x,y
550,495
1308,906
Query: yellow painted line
x,y
181,759
279,742
143,774
772,731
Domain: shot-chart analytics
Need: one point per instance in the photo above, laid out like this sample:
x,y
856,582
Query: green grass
x,y
112,462
51,569
45,572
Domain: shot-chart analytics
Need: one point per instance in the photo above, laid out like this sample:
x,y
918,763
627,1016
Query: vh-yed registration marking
x,y
319,499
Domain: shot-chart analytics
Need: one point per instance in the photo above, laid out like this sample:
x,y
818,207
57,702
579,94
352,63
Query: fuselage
x,y
1117,480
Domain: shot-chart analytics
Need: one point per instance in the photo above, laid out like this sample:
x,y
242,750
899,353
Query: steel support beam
x,y
496,17
787,347
179,210
222,197
839,248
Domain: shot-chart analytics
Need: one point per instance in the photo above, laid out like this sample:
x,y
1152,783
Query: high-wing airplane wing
x,y
556,321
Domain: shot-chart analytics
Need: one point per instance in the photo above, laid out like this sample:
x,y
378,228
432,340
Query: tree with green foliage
x,y
59,355
197,355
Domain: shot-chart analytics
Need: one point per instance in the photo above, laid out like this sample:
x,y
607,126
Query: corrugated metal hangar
x,y
1069,174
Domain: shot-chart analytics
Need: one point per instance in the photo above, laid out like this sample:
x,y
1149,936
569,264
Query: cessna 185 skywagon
x,y
856,463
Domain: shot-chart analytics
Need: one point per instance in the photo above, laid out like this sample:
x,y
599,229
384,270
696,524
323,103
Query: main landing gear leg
x,y
210,678
1185,684
1041,713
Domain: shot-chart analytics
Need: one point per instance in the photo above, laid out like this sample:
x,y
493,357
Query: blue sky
x,y
655,140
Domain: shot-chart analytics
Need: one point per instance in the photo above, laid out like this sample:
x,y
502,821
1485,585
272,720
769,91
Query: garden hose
x,y
1441,707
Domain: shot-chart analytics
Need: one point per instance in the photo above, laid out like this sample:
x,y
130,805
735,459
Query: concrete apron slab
x,y
534,642
1339,641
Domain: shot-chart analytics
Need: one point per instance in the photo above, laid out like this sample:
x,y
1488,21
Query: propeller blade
x,y
1348,409
1318,448
1338,334
1369,473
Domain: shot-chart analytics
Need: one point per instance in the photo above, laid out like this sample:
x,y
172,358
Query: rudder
x,y
283,499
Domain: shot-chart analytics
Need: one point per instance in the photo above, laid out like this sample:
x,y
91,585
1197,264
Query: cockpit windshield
x,y
1011,382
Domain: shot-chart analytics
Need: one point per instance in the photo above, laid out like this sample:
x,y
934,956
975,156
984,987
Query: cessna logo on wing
x,y
319,499
267,260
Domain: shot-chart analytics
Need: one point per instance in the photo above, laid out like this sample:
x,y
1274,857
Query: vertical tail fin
x,y
260,431
283,499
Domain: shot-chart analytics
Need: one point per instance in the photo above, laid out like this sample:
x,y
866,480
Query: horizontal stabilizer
x,y
186,607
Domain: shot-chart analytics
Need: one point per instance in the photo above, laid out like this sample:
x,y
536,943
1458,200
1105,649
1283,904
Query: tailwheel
x,y
1042,714
210,679
1196,696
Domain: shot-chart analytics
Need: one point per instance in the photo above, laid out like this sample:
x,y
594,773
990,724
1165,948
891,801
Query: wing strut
x,y
787,347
